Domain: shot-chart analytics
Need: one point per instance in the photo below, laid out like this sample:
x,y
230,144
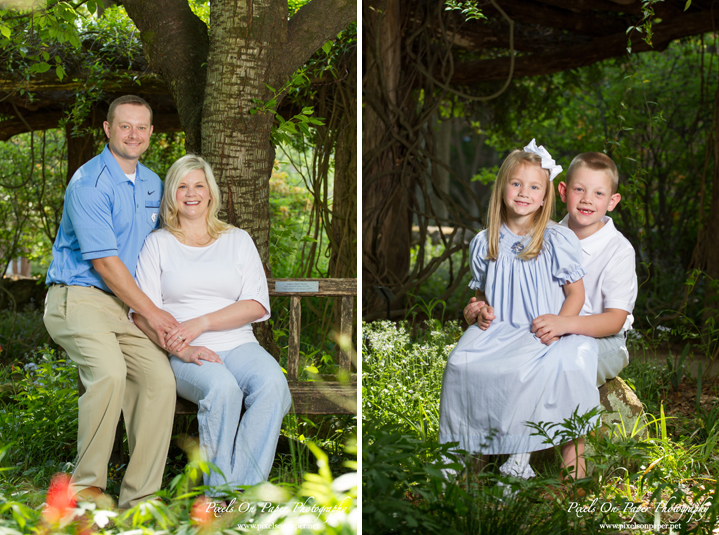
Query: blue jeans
x,y
242,449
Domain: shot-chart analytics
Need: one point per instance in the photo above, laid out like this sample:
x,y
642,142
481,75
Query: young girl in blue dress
x,y
523,265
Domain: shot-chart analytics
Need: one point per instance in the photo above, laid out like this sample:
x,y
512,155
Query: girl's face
x,y
524,193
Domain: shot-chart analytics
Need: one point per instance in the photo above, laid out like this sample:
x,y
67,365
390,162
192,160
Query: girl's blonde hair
x,y
168,207
497,212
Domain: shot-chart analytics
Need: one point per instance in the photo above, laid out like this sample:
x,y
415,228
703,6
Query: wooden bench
x,y
326,395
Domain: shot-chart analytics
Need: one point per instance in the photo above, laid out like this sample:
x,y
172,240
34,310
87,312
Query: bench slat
x,y
327,287
307,398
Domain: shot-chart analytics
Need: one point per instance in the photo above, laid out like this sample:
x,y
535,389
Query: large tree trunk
x,y
343,259
386,223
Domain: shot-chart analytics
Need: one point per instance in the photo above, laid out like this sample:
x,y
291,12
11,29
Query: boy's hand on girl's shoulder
x,y
548,328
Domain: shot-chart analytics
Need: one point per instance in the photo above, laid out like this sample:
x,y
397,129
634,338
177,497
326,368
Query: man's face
x,y
589,197
129,134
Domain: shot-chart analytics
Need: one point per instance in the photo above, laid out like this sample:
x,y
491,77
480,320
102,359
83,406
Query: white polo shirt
x,y
611,279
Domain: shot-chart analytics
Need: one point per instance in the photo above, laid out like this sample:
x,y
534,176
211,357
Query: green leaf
x,y
328,45
5,31
309,110
60,72
46,56
92,6
311,369
42,67
686,6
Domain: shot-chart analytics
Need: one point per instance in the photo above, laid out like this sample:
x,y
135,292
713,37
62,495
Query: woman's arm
x,y
189,354
232,316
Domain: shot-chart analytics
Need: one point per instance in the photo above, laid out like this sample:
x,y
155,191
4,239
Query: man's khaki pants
x,y
122,370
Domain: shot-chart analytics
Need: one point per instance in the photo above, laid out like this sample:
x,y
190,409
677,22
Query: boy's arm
x,y
479,311
607,323
573,303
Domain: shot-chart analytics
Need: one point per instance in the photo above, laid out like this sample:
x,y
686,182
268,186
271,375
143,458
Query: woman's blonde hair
x,y
497,212
168,207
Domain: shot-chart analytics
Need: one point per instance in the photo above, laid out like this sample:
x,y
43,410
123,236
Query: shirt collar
x,y
599,239
114,168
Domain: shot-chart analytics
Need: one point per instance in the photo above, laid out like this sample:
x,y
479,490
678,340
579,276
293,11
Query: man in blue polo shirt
x,y
111,205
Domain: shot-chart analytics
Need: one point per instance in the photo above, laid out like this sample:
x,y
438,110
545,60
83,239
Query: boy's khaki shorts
x,y
613,357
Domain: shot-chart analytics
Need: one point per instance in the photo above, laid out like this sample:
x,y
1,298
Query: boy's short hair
x,y
126,99
596,161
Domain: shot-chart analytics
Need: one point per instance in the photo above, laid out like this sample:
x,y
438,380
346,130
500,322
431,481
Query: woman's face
x,y
193,196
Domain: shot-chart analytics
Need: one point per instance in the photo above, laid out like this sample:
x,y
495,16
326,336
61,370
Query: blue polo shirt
x,y
105,214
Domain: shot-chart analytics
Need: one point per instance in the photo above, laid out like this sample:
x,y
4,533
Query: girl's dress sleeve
x,y
478,262
566,254
254,281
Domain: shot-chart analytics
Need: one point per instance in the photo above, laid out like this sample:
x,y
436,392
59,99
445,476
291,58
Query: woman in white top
x,y
209,276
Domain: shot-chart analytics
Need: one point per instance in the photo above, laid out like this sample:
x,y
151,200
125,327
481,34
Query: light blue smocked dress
x,y
498,379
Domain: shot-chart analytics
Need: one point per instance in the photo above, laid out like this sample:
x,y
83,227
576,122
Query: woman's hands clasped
x,y
179,338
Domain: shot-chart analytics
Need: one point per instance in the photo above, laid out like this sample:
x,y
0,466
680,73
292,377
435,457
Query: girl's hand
x,y
471,311
548,328
179,338
486,316
196,354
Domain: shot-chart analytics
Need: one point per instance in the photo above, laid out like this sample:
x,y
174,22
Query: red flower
x,y
59,500
202,513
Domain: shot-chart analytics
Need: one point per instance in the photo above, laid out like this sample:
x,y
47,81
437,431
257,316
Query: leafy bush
x,y
39,417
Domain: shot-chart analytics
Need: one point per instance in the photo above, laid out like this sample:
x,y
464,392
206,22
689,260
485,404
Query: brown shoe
x,y
96,496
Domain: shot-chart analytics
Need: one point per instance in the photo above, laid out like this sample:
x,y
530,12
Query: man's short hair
x,y
126,99
597,161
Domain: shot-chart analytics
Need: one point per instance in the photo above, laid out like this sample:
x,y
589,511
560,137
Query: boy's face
x,y
589,197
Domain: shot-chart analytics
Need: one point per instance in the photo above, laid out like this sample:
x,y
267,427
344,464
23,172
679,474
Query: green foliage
x,y
20,334
319,505
38,416
468,8
406,491
283,131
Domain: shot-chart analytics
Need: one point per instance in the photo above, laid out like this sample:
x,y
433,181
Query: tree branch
x,y
574,56
313,25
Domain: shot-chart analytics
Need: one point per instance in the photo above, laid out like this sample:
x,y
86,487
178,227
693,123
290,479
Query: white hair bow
x,y
547,161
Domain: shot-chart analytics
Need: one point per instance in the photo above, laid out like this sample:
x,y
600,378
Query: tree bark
x,y
176,44
386,223
343,259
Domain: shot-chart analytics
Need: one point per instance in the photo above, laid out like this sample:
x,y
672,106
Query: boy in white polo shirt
x,y
610,283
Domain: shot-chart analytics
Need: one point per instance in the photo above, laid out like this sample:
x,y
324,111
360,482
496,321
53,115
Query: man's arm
x,y
118,279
